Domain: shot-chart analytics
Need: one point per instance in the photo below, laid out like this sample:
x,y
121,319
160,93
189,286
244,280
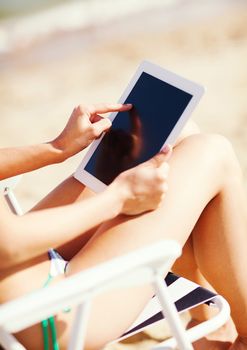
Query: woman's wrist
x,y
58,153
120,194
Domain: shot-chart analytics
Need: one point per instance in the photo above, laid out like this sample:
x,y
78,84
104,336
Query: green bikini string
x,y
45,325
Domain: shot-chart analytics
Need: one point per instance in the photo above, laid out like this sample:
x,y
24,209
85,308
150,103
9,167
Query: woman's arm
x,y
28,236
19,160
83,126
133,192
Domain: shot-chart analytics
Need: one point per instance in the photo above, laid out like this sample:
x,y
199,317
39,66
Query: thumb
x,y
167,151
102,125
163,155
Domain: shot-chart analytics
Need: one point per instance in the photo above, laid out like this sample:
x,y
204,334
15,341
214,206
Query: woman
x,y
204,210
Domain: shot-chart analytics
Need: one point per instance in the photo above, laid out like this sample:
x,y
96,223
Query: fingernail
x,y
128,104
166,149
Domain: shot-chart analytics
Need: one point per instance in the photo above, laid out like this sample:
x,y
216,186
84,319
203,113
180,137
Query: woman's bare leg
x,y
186,266
207,234
202,168
227,235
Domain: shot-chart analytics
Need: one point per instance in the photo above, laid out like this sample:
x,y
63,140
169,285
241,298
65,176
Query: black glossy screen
x,y
139,134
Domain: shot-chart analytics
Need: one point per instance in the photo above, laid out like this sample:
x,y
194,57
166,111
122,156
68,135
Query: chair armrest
x,y
134,268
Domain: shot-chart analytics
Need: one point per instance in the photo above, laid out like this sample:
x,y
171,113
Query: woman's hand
x,y
145,186
84,126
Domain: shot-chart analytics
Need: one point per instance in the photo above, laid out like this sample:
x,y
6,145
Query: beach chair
x,y
172,295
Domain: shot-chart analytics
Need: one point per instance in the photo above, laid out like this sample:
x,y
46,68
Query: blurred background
x,y
56,54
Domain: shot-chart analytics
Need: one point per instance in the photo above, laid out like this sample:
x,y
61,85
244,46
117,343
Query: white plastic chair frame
x,y
147,265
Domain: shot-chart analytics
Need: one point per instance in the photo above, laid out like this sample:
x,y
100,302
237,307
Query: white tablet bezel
x,y
156,71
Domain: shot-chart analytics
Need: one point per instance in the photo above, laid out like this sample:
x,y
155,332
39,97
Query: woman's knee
x,y
216,152
224,156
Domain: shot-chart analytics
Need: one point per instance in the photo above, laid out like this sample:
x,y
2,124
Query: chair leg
x,y
203,328
9,342
78,332
12,201
170,313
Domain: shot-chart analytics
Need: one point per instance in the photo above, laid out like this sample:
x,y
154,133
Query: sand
x,y
40,85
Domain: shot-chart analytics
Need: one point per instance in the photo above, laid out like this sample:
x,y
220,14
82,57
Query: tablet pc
x,y
162,103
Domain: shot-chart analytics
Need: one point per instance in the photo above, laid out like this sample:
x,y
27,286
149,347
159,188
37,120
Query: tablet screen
x,y
137,135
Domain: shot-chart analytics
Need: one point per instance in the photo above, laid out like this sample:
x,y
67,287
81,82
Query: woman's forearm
x,y
15,161
35,232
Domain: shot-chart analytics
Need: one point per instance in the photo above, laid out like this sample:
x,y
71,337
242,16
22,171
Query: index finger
x,y
106,108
